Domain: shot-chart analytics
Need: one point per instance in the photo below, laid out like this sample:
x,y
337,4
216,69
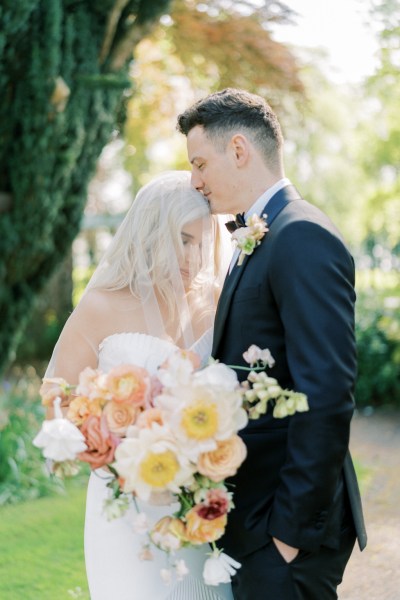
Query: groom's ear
x,y
240,148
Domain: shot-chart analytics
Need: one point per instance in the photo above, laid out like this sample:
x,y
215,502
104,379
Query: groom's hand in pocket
x,y
288,552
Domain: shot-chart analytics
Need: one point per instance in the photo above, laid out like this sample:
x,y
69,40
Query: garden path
x,y
375,445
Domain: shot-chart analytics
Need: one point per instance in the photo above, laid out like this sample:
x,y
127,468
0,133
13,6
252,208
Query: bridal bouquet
x,y
168,437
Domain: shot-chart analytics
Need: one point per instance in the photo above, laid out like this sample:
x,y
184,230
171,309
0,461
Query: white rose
x,y
59,439
219,568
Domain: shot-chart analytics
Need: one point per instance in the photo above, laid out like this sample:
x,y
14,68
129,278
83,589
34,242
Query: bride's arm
x,y
77,346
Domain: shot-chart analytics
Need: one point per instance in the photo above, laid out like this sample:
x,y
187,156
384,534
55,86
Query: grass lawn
x,y
41,548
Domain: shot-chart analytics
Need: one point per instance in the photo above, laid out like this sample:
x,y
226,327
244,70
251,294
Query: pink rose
x,y
100,442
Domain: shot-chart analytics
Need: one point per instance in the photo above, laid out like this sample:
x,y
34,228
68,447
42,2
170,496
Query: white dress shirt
x,y
259,206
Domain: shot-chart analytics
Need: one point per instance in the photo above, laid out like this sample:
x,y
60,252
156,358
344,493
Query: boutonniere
x,y
249,237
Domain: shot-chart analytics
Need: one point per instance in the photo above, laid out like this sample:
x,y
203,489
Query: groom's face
x,y
213,171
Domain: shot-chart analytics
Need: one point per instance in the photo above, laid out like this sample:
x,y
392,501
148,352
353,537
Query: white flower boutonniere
x,y
249,237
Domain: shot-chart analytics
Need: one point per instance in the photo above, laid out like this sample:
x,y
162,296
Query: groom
x,y
297,505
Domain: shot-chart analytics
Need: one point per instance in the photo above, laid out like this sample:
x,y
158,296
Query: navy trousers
x,y
265,575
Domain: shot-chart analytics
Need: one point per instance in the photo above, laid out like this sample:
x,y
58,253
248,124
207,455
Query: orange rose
x,y
100,442
224,461
119,416
148,417
128,384
81,408
199,530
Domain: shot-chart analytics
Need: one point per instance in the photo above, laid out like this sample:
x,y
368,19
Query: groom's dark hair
x,y
236,111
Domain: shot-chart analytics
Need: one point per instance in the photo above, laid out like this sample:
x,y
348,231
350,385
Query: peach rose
x,y
52,388
224,461
100,442
90,383
168,533
148,417
81,408
119,416
199,530
129,384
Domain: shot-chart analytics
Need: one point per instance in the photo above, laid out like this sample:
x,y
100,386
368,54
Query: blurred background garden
x,y
90,92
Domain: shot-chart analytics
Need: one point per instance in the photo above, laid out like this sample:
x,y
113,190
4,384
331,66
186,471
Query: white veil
x,y
161,275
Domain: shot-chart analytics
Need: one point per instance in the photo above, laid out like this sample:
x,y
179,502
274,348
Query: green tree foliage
x,y
198,48
63,81
381,154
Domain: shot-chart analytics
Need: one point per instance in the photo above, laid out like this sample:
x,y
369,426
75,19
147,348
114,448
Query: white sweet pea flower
x,y
146,553
114,508
58,438
141,523
166,576
280,410
301,403
181,569
254,354
219,568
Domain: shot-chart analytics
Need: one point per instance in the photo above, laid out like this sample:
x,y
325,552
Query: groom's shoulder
x,y
302,214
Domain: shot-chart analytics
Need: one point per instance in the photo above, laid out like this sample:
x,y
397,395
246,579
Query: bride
x,y
153,292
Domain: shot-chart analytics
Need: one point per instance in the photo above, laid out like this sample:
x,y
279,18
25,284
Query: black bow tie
x,y
238,222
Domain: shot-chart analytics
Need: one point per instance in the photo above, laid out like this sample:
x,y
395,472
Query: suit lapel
x,y
276,204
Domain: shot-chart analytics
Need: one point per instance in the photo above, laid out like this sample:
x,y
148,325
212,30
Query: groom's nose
x,y
197,181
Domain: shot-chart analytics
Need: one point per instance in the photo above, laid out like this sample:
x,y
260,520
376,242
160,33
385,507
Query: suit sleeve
x,y
312,279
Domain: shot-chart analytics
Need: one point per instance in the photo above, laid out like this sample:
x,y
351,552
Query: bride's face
x,y
190,261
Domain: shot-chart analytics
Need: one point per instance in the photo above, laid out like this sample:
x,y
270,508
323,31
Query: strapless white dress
x,y
113,566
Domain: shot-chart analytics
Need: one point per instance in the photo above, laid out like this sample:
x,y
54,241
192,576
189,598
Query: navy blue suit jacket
x,y
295,295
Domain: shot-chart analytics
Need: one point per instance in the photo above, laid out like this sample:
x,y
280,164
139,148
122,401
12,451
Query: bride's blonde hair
x,y
145,251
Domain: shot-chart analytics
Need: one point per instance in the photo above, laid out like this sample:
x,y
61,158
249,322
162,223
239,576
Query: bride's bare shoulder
x,y
111,310
99,300
96,301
